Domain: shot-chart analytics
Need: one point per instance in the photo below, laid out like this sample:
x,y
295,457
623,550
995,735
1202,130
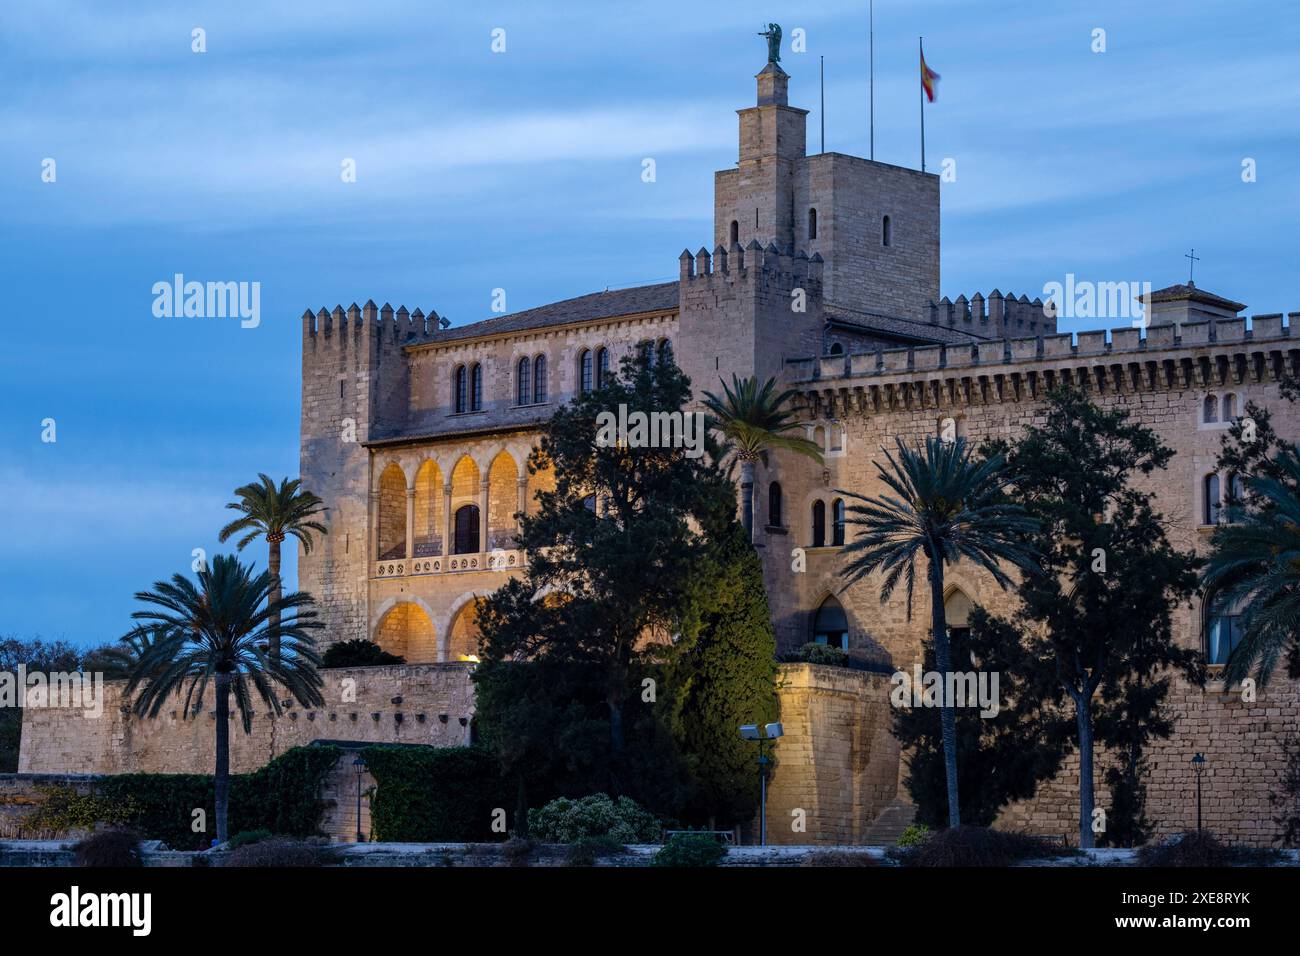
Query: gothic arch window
x,y
819,437
392,513
837,349
460,390
524,382
1221,630
1210,410
602,367
666,352
735,233
476,388
837,523
1213,503
585,371
812,224
819,524
466,532
1229,407
539,379
1236,497
831,624
956,612
886,232
836,432
774,504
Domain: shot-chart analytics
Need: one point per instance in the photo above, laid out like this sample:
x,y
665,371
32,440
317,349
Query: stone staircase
x,y
889,826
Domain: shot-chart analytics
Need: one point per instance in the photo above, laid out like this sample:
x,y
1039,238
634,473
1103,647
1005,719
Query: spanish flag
x,y
929,79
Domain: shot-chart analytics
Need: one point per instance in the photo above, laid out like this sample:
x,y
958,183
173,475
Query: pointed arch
x,y
463,633
830,624
392,512
430,521
503,501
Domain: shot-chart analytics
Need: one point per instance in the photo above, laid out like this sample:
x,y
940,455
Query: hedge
x,y
283,797
435,794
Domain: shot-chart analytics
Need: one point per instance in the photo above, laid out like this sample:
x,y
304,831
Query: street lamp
x,y
769,733
1198,768
360,765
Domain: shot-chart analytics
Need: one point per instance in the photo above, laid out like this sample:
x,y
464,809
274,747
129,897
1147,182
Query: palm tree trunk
x,y
277,590
222,779
1083,720
747,498
947,713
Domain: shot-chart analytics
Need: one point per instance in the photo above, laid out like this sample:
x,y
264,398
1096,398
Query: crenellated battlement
x,y
997,316
383,325
1123,345
743,263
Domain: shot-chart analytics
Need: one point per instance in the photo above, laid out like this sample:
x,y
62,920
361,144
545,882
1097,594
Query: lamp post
x,y
360,765
1198,768
769,733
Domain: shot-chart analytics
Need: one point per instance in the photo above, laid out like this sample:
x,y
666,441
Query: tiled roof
x,y
597,305
1177,293
900,328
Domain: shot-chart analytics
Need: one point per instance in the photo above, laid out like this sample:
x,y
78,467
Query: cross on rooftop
x,y
1191,266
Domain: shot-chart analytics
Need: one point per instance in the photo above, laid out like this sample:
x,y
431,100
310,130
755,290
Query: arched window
x,y
956,612
837,349
460,391
1229,407
602,367
1212,500
1221,631
886,232
539,379
585,370
467,519
812,223
1236,497
819,524
774,504
476,388
1210,409
666,352
837,438
735,233
819,437
524,381
831,625
837,523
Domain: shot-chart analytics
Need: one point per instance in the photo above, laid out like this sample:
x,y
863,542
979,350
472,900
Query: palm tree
x,y
1255,565
275,513
945,506
215,632
755,421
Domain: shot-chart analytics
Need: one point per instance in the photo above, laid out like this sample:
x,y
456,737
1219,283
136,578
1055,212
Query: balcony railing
x,y
497,560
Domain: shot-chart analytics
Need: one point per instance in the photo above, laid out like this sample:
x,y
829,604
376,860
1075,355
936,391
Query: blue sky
x,y
522,170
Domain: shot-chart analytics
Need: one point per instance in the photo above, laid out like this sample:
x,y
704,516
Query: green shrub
x,y
518,851
564,820
358,653
115,848
282,797
1202,849
915,835
245,837
814,653
280,852
585,851
978,846
690,849
434,794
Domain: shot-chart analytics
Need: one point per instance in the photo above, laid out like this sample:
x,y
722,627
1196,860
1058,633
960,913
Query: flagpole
x,y
921,47
871,57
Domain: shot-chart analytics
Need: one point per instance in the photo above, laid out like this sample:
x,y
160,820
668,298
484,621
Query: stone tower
x,y
355,383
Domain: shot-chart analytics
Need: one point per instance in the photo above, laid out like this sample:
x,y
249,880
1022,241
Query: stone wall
x,y
420,704
838,761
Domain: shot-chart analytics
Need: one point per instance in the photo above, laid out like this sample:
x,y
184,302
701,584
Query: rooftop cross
x,y
1191,266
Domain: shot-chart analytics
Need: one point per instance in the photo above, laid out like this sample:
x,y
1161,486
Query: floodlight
x,y
750,732
773,730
